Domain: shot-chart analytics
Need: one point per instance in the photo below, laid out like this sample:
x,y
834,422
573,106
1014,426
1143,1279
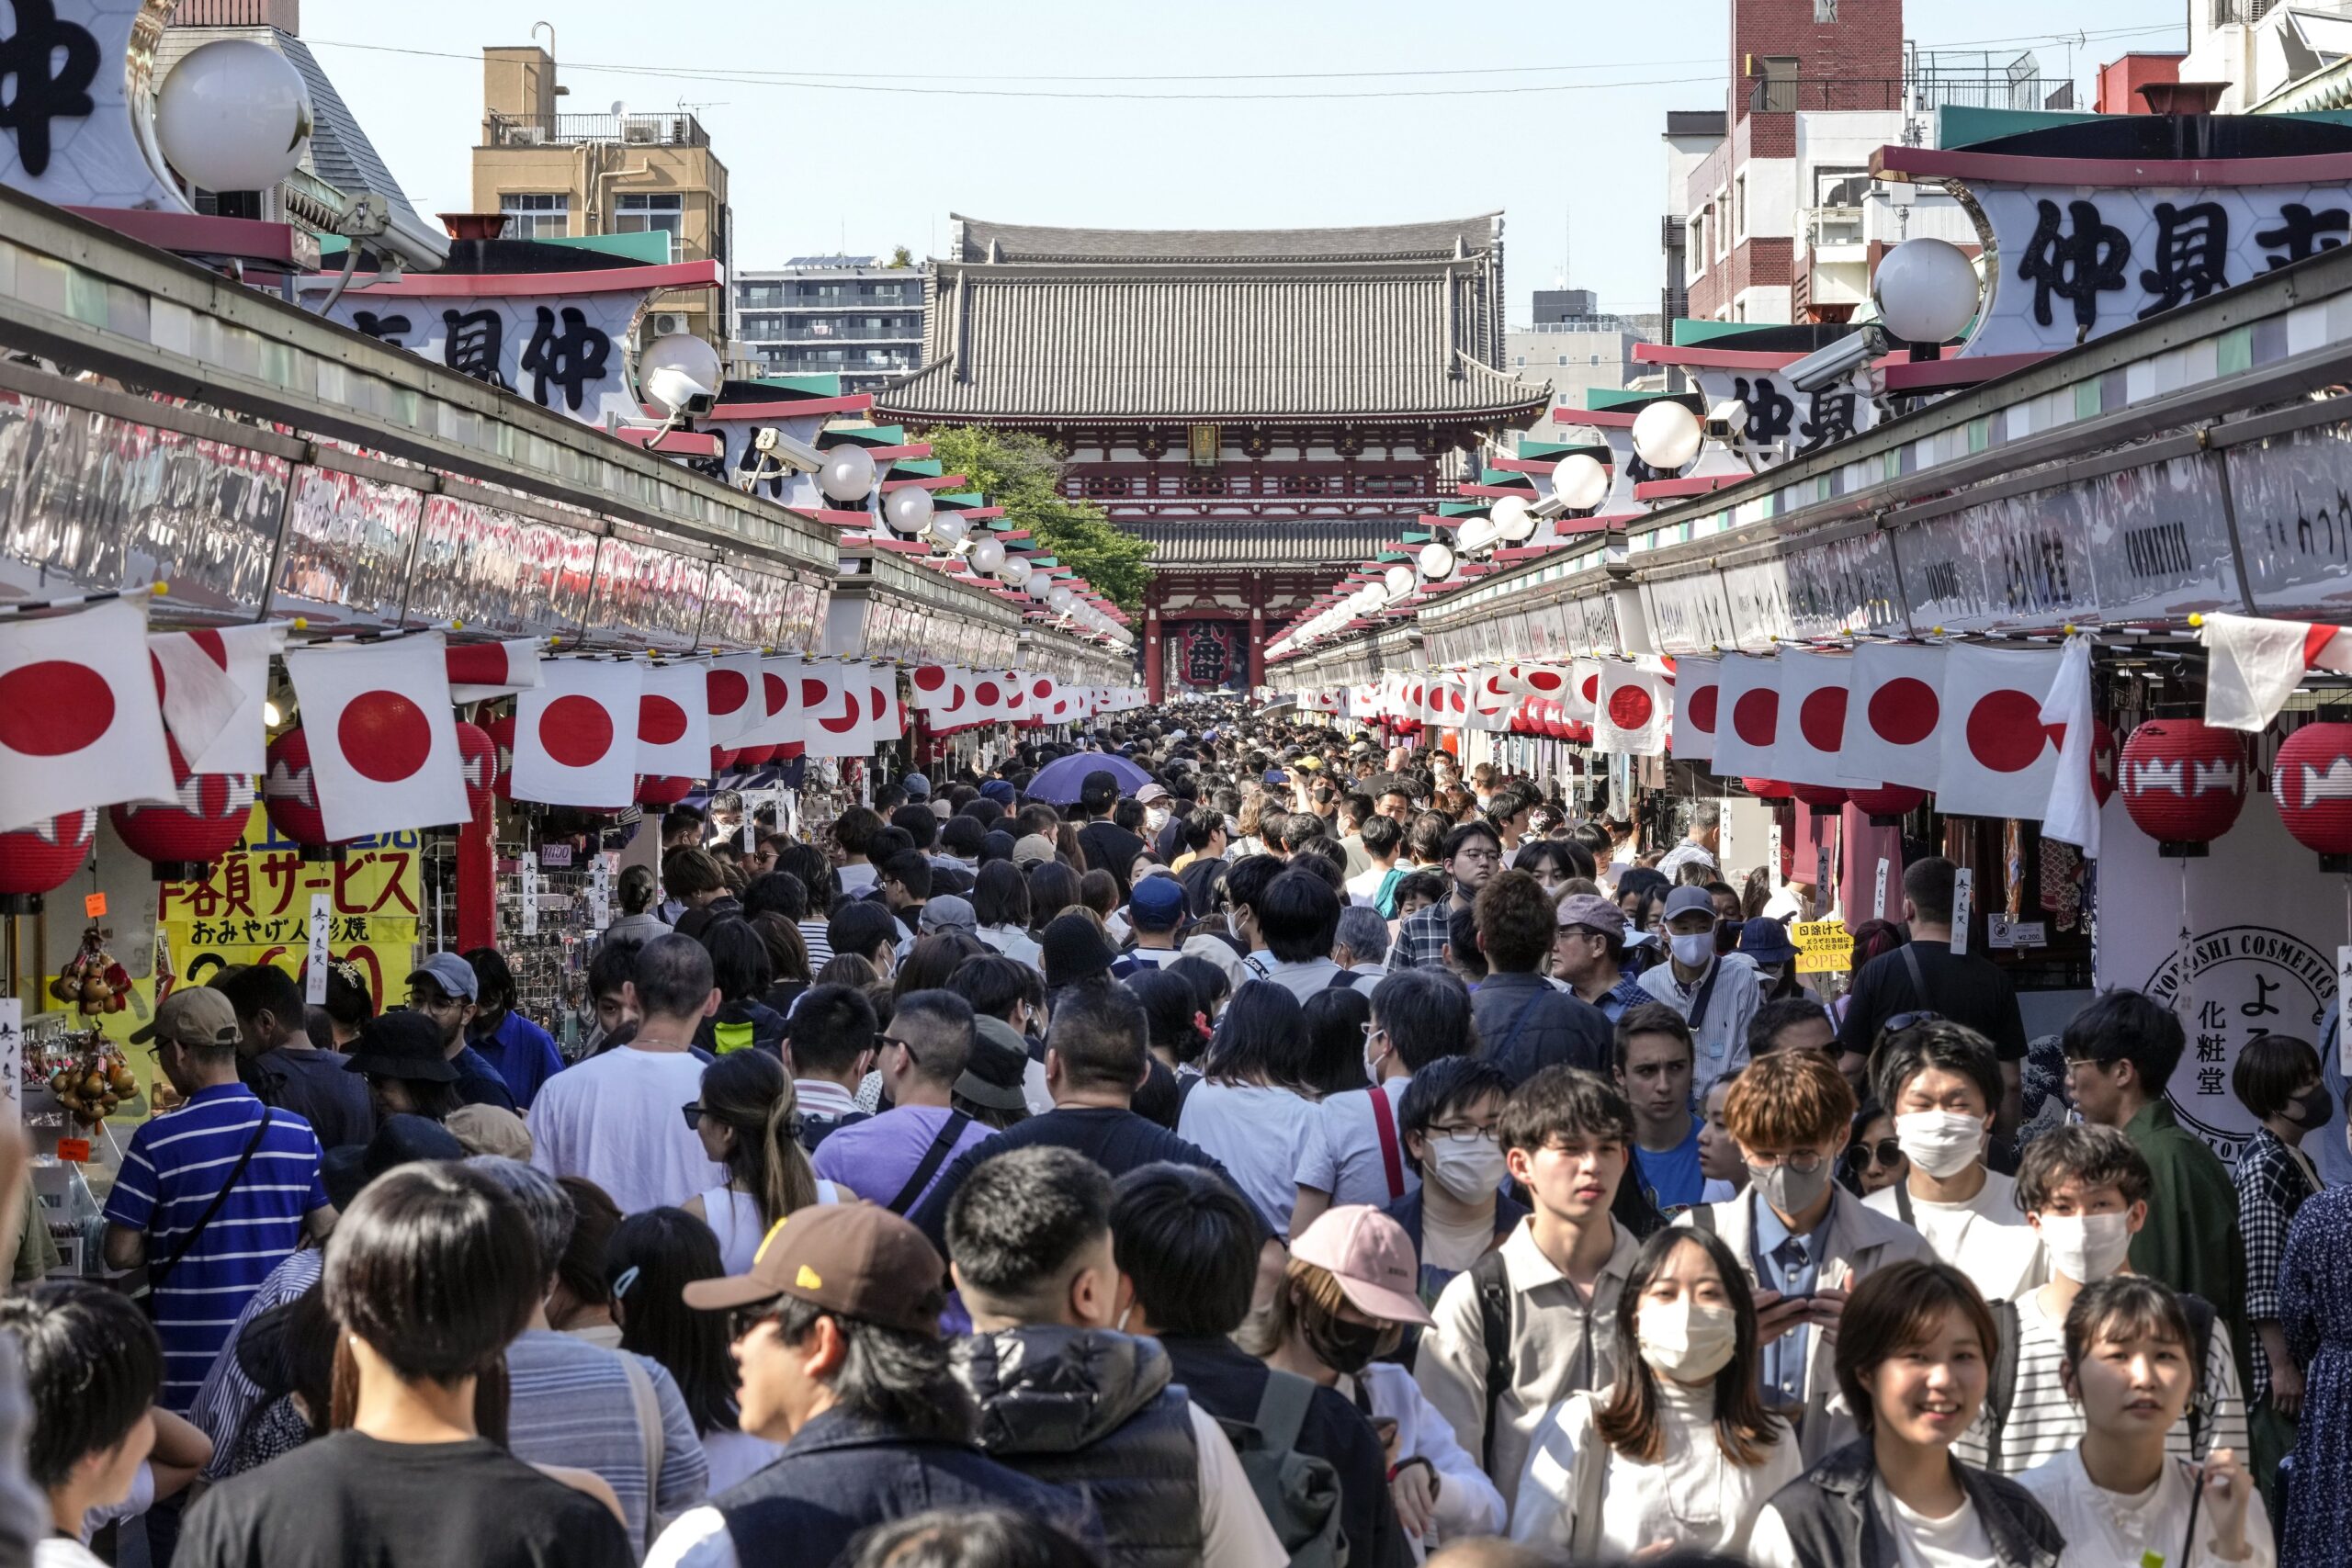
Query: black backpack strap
x,y
933,1158
2200,1314
1345,980
1494,1332
1903,1210
158,1273
2001,1390
1282,1409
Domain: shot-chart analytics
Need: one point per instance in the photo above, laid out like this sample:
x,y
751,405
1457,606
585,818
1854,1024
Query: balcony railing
x,y
1793,94
1670,233
1833,226
568,129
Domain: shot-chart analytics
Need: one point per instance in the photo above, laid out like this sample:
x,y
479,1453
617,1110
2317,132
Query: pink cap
x,y
1371,1257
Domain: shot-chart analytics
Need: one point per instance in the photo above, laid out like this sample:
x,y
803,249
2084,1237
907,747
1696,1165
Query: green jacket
x,y
2190,1241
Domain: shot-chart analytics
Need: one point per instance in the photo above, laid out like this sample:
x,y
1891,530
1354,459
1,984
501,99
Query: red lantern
x,y
42,858
291,795
2184,783
1821,797
182,838
1765,789
721,758
2102,761
756,756
1888,803
2312,784
500,731
657,789
478,757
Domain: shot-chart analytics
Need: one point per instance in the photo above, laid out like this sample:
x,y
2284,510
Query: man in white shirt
x,y
1358,1153
1298,921
1382,840
1941,1081
1700,845
616,1119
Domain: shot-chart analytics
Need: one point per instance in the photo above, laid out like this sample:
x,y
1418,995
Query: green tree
x,y
1020,472
902,256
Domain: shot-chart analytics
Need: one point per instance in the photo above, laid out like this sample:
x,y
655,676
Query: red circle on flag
x,y
1903,712
1043,688
986,695
1592,687
779,693
1700,709
384,735
930,677
728,691
1630,707
660,721
1822,718
848,721
1546,680
53,707
576,731
2005,731
1756,717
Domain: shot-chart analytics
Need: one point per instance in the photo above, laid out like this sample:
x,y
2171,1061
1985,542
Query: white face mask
x,y
1941,1143
1470,1170
1694,950
1687,1341
1374,1055
1154,817
1233,924
2087,1248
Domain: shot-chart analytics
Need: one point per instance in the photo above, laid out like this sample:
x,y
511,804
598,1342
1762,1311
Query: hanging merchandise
x,y
2311,780
80,723
2071,814
1999,759
1893,706
92,982
1748,739
2184,783
383,743
202,822
43,858
575,734
87,1074
1698,701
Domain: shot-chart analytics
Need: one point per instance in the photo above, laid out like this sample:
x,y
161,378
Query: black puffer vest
x,y
1092,1411
1832,1523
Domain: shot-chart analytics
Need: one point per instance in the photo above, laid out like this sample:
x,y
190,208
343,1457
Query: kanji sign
x,y
562,353
1824,947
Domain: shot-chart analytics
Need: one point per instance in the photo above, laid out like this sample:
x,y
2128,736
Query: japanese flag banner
x,y
2072,815
2000,760
1748,701
885,718
575,734
938,686
1016,697
1894,717
480,670
1581,701
1043,690
80,721
1491,702
2257,664
987,696
1814,697
242,654
832,714
383,741
731,688
1697,700
1631,718
200,698
779,690
673,721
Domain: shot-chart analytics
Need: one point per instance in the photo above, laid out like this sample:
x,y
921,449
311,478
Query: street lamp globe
x,y
677,365
848,474
988,556
1579,481
948,530
1398,580
233,116
1039,586
1477,535
1016,570
1514,520
1666,435
1437,560
908,510
1925,290
1060,598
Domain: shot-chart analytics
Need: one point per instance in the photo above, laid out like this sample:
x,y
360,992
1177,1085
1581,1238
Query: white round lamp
x,y
1666,435
1016,571
1513,519
1437,560
233,116
948,530
988,556
1579,481
1925,290
1398,580
848,474
673,361
908,510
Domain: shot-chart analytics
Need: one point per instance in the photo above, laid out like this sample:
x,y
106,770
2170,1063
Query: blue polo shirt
x,y
173,1168
523,1053
1789,1264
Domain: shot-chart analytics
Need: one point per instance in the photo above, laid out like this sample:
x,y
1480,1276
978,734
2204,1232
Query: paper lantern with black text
x,y
43,857
2312,784
1821,797
183,837
1888,803
2184,783
290,791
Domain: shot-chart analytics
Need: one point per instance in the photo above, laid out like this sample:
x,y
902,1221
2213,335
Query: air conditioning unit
x,y
664,323
644,132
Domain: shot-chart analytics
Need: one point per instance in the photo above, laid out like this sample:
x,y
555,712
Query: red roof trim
x,y
248,239
673,443
509,285
923,481
1695,484
1904,375
1600,419
797,408
843,519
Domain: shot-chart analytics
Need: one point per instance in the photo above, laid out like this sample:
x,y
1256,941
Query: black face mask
x,y
2314,1109
1726,936
1343,1347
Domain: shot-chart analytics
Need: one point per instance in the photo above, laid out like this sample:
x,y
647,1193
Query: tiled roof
x,y
979,240
1339,544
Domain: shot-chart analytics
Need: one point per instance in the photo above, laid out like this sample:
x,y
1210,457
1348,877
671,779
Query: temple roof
x,y
1264,542
980,240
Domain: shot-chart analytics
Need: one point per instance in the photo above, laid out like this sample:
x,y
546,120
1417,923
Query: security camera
x,y
1727,420
774,444
680,393
368,215
1824,367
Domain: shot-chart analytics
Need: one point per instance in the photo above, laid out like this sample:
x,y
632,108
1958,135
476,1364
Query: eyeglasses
x,y
1885,1151
1805,1161
1905,1019
693,1118
743,1319
1468,1135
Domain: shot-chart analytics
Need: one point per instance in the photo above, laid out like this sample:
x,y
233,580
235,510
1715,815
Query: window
x,y
1825,12
1564,359
536,215
1840,187
1739,206
1596,359
1521,360
641,212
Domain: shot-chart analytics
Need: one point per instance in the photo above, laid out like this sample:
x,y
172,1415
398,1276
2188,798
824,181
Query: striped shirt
x,y
570,1402
227,1397
2043,1423
176,1165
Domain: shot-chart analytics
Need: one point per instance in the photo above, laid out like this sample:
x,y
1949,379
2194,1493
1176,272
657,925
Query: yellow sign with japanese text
x,y
1823,946
257,908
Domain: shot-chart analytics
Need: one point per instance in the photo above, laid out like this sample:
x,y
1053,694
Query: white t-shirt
x,y
1345,1159
1365,884
1234,1531
616,1119
1958,1541
1694,1496
2105,1528
855,878
1257,1134
56,1551
1985,1238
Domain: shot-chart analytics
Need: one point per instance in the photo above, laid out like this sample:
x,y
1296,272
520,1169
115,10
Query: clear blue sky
x,y
815,170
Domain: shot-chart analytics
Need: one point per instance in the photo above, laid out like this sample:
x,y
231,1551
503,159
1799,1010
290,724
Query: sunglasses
x,y
693,1118
1905,1019
1885,1151
743,1319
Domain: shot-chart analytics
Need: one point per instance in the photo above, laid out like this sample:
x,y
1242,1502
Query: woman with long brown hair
x,y
1679,1446
749,1120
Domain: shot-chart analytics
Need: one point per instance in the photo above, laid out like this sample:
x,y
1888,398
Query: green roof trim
x,y
919,468
959,499
1690,333
1461,508
1600,399
827,384
1558,450
651,248
861,436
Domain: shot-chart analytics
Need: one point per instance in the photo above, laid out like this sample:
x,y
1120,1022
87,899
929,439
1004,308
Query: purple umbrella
x,y
1060,781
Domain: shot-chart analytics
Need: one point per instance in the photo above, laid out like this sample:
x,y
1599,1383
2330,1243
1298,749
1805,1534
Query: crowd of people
x,y
1284,1152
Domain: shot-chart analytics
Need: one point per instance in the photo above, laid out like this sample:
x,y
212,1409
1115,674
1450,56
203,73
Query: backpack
x,y
2001,1392
1494,1332
1299,1492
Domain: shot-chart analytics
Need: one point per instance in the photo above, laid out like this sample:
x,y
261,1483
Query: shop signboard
x,y
563,352
1843,586
2293,498
1824,947
2260,950
1778,423
1688,613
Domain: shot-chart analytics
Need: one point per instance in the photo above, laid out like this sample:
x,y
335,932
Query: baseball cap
x,y
193,1015
857,1259
1148,794
1683,900
1592,911
490,1130
1370,1256
947,912
1031,849
917,786
1157,902
451,972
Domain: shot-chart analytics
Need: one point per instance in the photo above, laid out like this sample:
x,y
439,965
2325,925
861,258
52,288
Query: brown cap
x,y
193,1015
857,1259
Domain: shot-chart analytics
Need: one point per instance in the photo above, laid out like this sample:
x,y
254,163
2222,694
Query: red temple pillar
x,y
476,884
1154,680
1256,648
